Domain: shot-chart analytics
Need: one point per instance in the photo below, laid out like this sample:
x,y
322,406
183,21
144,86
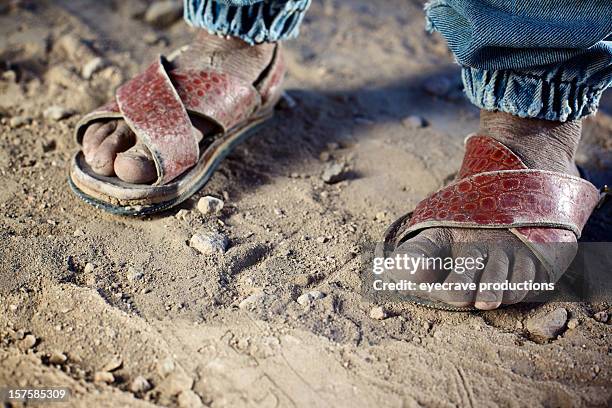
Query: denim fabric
x,y
254,21
545,59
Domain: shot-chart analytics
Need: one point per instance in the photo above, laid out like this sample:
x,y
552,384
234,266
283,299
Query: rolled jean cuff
x,y
254,23
529,96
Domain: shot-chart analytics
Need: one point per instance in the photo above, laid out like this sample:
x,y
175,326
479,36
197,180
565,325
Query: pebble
x,y
89,267
104,377
140,384
601,317
414,122
334,173
210,205
75,47
547,326
438,86
182,214
92,66
57,358
165,367
573,323
176,383
309,297
251,300
163,13
57,113
134,274
322,239
189,399
28,342
378,313
209,243
18,121
113,364
324,156
78,233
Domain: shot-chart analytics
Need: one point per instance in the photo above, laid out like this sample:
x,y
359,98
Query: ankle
x,y
541,144
228,54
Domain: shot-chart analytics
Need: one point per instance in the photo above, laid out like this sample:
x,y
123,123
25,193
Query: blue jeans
x,y
545,59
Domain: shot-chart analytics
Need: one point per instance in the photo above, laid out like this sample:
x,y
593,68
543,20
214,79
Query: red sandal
x,y
156,105
495,189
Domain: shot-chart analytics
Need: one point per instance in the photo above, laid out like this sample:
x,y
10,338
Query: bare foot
x,y
541,145
111,148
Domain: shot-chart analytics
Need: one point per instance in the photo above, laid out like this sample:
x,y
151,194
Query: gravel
x,y
547,326
164,13
208,243
210,205
310,297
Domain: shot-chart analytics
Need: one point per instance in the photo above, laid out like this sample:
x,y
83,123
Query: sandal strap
x,y
153,109
509,199
215,95
495,189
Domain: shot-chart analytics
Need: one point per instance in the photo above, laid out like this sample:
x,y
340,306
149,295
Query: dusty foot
x,y
541,145
111,148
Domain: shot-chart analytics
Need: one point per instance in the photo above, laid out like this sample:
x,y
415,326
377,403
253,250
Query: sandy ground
x,y
84,293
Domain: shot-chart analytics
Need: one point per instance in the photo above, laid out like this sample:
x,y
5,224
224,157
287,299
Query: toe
x,y
104,157
136,165
523,270
415,252
94,136
495,271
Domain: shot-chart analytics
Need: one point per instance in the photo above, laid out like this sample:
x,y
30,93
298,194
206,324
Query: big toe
x,y
103,158
135,165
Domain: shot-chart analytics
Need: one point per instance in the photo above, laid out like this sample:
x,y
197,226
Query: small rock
x,y
176,383
438,86
210,205
163,13
302,279
28,342
209,243
104,377
114,363
601,317
165,367
308,298
57,113
547,326
75,47
324,156
322,239
18,121
414,122
78,232
140,384
134,274
182,214
57,358
92,66
380,216
251,300
573,323
334,173
89,267
378,313
151,38
189,399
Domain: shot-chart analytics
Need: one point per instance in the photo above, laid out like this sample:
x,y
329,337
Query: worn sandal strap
x,y
154,111
495,189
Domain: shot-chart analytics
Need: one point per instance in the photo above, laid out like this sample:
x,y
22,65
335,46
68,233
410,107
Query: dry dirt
x,y
129,296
